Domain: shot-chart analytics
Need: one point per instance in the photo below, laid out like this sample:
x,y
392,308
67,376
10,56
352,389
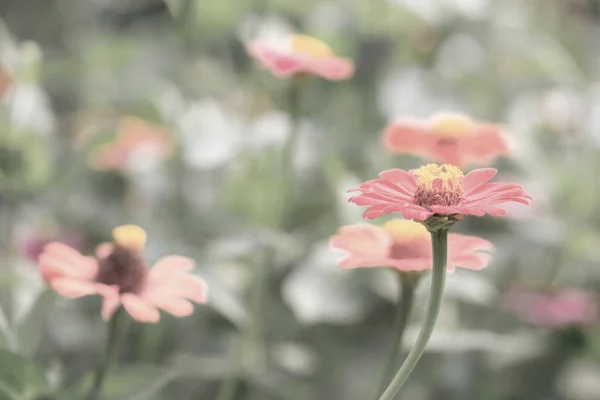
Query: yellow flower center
x,y
404,230
310,46
438,185
451,125
130,237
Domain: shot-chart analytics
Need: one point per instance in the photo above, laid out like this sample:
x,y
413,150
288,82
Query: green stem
x,y
293,105
229,386
113,348
407,284
439,243
253,333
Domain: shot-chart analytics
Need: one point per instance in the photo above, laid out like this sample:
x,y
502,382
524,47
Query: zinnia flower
x,y
121,277
6,81
437,194
447,138
301,55
553,310
406,246
134,136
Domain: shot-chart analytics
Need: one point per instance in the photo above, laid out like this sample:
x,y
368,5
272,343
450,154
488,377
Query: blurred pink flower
x,y
301,55
552,310
120,276
447,138
32,246
6,81
406,246
436,190
133,134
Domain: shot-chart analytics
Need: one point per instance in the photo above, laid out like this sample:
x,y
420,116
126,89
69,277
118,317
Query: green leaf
x,y
129,382
20,378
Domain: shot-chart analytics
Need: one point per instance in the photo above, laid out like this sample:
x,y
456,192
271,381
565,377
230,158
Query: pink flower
x,y
32,247
120,276
437,190
134,135
553,310
447,138
406,246
301,55
6,82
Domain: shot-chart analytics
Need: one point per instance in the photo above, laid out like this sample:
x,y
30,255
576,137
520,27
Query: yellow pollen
x,y
405,230
451,125
310,46
130,237
446,175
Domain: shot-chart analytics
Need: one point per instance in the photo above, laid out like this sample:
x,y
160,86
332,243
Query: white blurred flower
x,y
26,103
271,28
211,136
319,291
295,358
459,55
562,109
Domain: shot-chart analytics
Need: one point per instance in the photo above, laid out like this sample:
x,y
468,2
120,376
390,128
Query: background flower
x,y
406,246
120,277
301,54
447,138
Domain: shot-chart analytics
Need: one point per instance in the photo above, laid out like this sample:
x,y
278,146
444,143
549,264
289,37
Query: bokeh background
x,y
284,322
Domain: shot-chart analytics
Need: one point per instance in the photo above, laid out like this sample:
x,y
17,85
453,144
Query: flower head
x,y
134,137
120,275
301,54
439,193
447,138
406,246
553,310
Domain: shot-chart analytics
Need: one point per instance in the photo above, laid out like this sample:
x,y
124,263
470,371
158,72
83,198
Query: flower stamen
x,y
405,230
438,185
451,125
310,46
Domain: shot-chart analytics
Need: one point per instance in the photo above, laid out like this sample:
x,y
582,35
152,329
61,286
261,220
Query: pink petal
x,y
104,250
173,305
474,179
111,300
140,310
59,260
486,144
278,62
170,264
363,240
178,284
332,68
465,244
73,288
447,153
412,264
403,180
408,136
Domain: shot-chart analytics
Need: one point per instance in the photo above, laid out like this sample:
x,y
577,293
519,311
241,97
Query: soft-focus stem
x,y
287,156
229,386
407,283
439,242
253,332
114,342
